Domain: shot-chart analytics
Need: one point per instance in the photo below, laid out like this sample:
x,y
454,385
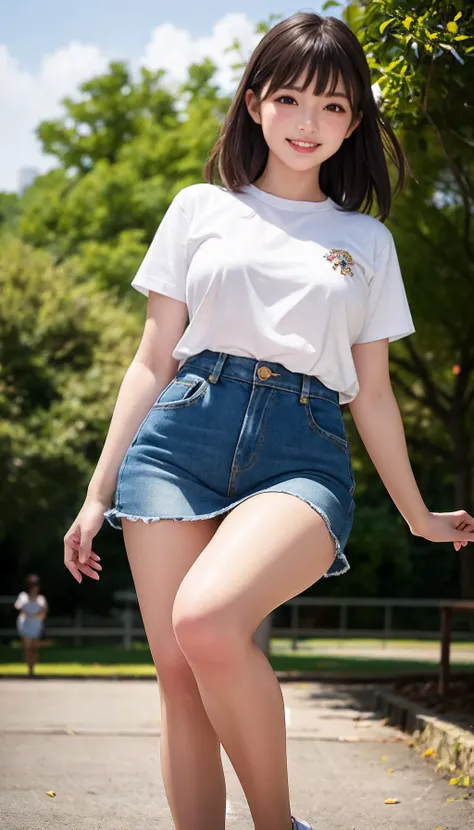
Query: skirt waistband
x,y
261,372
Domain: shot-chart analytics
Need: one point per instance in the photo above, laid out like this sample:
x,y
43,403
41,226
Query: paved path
x,y
95,744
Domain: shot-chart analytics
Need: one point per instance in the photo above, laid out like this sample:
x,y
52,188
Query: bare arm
x,y
150,371
379,423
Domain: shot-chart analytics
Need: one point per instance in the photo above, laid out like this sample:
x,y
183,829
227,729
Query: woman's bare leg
x,y
267,550
160,554
34,651
29,655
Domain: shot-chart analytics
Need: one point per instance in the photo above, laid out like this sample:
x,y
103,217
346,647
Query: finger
x,y
74,570
85,548
71,543
70,553
87,571
467,521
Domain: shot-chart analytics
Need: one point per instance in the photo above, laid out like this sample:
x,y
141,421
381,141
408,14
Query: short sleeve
x,y
20,600
388,313
164,267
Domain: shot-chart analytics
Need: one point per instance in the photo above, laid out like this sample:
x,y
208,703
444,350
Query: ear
x,y
253,105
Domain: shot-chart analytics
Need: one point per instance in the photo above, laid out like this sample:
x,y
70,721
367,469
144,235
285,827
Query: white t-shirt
x,y
279,280
29,607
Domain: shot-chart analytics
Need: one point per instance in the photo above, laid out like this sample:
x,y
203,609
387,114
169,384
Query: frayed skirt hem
x,y
338,567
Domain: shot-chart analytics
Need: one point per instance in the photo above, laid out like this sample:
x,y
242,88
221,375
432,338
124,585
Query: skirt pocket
x,y
325,418
182,391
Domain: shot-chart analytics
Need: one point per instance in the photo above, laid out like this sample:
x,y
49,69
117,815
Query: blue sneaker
x,y
300,825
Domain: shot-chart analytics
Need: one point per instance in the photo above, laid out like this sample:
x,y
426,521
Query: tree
x,y
125,148
421,56
65,346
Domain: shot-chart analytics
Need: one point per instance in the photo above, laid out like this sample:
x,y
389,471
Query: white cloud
x,y
175,49
27,98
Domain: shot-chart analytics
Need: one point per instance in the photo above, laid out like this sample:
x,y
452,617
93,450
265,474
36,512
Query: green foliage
x,y
9,210
422,56
417,52
125,148
64,348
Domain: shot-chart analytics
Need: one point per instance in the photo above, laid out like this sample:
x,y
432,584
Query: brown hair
x,y
32,581
327,48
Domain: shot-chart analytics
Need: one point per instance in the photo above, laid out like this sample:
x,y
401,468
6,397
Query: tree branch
x,y
461,137
409,367
431,391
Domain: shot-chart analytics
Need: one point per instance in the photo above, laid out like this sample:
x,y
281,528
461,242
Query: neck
x,y
279,180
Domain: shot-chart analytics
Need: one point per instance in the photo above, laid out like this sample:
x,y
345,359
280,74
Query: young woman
x,y
227,450
33,609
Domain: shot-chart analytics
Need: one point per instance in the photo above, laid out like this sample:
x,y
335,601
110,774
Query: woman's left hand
x,y
456,527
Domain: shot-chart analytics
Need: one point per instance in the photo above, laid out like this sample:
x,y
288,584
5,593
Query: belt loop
x,y
305,388
216,372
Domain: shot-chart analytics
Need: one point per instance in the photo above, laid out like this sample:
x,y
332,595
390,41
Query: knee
x,y
204,634
173,670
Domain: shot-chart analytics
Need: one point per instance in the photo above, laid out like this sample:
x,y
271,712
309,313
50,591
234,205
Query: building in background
x,y
26,177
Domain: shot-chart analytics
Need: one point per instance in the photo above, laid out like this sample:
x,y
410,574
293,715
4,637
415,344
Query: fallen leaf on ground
x,y
391,801
390,770
383,758
461,780
429,752
51,794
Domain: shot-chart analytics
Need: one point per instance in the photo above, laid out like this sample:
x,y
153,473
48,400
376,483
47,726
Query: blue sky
x,y
31,28
48,48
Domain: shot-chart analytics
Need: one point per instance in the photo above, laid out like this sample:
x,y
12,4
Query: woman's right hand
x,y
79,557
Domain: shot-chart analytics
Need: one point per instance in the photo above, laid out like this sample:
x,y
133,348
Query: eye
x,y
340,109
285,97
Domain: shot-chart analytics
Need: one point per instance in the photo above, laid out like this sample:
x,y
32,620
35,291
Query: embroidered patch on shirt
x,y
340,258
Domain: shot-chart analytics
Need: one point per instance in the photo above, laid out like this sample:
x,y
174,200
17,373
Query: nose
x,y
308,122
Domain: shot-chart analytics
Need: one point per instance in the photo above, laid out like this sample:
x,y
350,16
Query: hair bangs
x,y
319,61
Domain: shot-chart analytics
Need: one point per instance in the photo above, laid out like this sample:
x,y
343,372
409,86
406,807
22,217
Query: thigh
x,y
269,549
160,554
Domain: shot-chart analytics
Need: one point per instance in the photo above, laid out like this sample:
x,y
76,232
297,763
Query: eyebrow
x,y
332,95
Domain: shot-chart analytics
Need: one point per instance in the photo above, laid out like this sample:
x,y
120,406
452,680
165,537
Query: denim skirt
x,y
228,427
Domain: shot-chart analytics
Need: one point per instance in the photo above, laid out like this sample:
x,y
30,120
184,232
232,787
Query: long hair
x,y
324,47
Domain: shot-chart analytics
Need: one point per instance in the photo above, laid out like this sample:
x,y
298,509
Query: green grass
x,y
106,660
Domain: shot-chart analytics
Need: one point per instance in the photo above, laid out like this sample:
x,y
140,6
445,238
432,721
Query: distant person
x,y
33,609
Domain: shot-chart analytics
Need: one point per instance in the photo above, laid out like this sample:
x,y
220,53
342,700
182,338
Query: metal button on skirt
x,y
228,427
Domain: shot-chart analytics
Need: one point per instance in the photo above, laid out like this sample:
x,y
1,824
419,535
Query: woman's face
x,y
291,114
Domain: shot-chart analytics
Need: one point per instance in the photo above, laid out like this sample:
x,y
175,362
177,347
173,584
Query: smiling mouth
x,y
305,145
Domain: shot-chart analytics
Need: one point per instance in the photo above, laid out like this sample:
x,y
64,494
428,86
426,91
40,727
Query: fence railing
x,y
80,627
